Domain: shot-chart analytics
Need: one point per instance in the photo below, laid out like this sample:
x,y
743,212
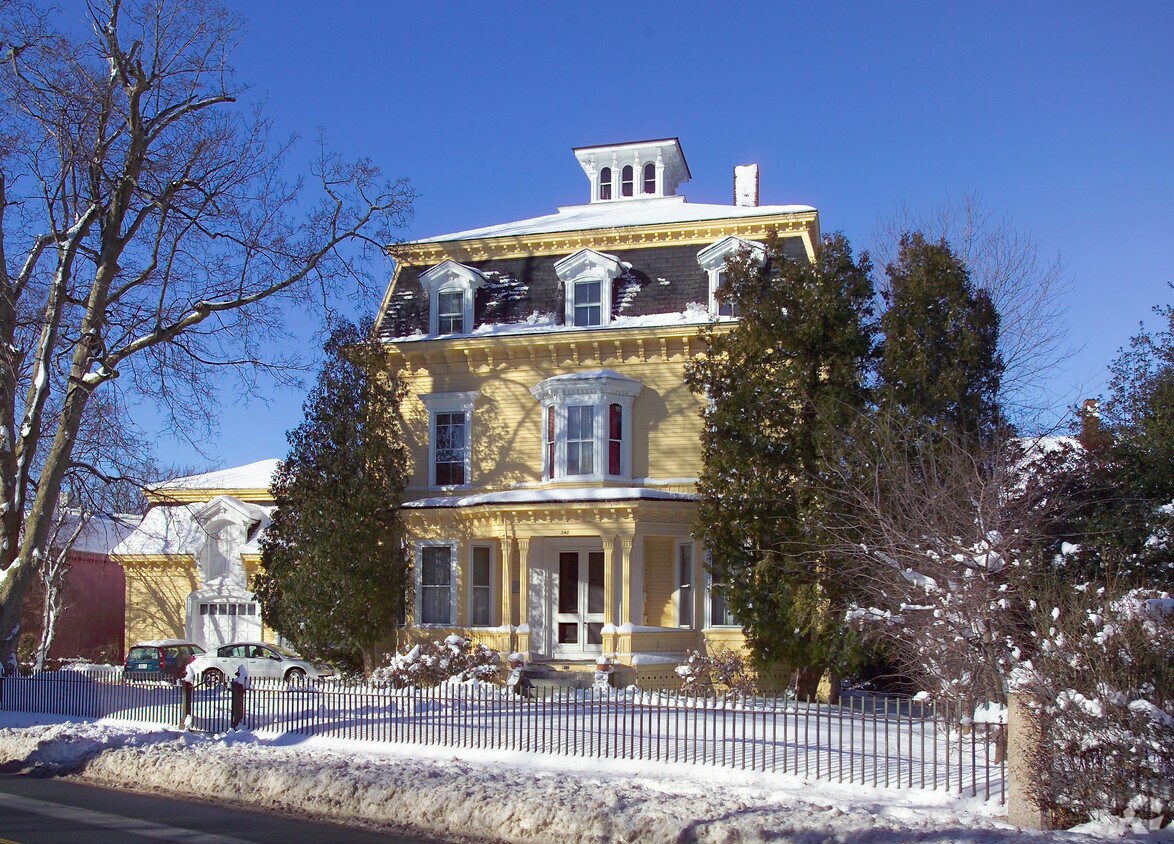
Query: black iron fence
x,y
871,740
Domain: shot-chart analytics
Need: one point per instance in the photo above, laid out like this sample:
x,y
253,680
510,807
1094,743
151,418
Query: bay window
x,y
587,421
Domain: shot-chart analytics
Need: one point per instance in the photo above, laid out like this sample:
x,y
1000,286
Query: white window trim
x,y
588,265
714,257
494,578
449,403
599,389
450,277
452,577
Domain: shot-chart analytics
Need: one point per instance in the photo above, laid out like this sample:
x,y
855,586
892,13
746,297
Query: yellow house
x,y
190,561
555,446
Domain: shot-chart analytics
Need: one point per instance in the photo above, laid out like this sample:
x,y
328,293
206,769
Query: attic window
x,y
713,259
650,178
587,279
626,180
605,183
450,287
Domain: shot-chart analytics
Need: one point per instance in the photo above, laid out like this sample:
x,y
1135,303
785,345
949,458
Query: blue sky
x,y
1058,115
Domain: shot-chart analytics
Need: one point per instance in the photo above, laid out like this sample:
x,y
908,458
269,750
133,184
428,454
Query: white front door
x,y
579,600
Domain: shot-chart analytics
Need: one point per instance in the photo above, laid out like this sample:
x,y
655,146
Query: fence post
x,y
1023,738
185,714
238,703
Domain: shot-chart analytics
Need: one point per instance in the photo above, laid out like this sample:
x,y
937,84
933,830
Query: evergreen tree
x,y
940,364
333,560
784,384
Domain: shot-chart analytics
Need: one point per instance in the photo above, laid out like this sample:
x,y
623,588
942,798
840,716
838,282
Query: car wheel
x,y
213,677
295,675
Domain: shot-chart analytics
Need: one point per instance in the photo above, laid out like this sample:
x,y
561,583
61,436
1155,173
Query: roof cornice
x,y
693,232
163,497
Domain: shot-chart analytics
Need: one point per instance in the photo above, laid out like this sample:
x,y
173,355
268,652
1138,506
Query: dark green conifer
x,y
785,383
333,561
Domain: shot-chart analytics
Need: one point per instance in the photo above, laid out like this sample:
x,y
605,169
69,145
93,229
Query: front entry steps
x,y
561,674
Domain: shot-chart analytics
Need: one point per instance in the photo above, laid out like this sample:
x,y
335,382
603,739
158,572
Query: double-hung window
x,y
580,439
588,303
587,425
717,607
452,448
481,587
450,445
436,584
685,576
450,312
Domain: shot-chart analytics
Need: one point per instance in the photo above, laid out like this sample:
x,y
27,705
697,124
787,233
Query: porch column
x,y
630,591
609,580
523,580
507,567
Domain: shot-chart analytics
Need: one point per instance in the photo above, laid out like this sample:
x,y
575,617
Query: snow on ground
x,y
473,795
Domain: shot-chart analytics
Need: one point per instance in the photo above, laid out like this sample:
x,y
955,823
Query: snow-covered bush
x,y
1102,687
435,662
719,671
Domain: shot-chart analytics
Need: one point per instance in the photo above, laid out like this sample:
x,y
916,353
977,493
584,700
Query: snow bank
x,y
504,796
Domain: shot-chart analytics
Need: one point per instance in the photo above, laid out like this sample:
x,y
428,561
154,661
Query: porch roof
x,y
551,495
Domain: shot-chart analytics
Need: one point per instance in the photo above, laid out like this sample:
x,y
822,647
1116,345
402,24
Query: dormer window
x,y
588,428
450,287
626,180
713,260
605,183
587,281
650,178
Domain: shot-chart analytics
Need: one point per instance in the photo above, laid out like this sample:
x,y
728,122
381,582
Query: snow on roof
x,y
165,530
176,529
537,323
638,212
100,533
250,476
555,495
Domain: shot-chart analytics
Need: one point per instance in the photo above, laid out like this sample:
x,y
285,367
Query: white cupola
x,y
638,170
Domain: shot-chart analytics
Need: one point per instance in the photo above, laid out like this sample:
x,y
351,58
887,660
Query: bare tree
x,y
937,540
146,235
1028,289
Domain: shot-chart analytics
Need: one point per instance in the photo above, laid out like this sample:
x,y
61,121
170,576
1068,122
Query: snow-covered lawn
x,y
497,795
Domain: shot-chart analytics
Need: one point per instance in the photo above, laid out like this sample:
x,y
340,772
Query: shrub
x,y
721,671
433,663
1102,687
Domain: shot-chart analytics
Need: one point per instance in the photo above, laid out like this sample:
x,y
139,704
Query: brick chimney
x,y
746,185
1091,435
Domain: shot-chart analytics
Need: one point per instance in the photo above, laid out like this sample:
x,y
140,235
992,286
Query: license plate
x,y
143,665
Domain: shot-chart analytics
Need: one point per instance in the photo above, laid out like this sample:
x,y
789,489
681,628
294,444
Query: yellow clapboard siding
x,y
660,609
506,426
156,601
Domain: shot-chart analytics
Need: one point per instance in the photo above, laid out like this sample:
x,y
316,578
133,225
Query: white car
x,y
260,660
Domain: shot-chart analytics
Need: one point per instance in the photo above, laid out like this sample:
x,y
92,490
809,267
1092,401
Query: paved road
x,y
52,811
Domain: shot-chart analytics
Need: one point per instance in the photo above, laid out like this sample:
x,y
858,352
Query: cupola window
x,y
650,178
605,183
626,180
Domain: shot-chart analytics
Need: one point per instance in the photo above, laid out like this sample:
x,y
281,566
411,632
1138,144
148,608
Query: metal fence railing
x,y
871,740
